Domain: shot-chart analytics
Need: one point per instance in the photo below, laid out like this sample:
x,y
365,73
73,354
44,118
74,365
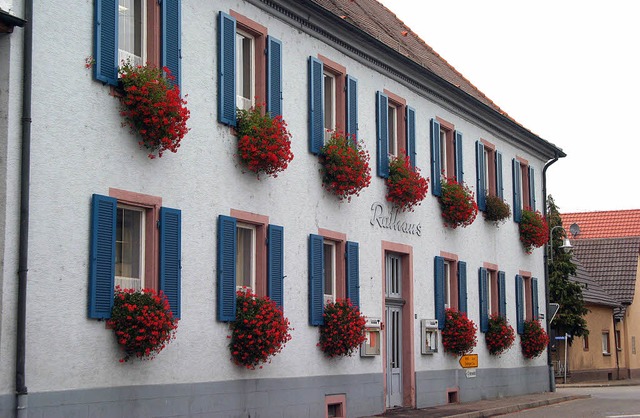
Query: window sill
x,y
606,354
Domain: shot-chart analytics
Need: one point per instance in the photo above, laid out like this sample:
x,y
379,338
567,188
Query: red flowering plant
x,y
142,322
259,331
534,339
497,210
459,333
343,329
500,335
152,107
345,166
264,143
406,188
458,204
534,230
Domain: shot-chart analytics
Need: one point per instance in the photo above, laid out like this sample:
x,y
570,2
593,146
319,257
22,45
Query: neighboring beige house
x,y
607,249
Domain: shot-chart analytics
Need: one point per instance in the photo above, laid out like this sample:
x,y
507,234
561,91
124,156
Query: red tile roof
x,y
382,24
606,224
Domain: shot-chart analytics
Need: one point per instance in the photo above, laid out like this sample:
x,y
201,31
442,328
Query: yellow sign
x,y
469,361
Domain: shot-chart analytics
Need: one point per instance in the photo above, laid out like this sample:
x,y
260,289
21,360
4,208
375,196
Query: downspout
x,y
552,380
23,250
615,347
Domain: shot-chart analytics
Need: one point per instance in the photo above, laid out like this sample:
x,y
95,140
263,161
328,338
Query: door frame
x,y
408,359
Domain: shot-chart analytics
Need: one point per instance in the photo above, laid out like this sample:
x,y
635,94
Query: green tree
x,y
562,290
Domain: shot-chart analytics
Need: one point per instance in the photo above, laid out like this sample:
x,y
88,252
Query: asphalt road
x,y
605,402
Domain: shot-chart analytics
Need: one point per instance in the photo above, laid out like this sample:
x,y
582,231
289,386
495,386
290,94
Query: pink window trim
x,y
408,366
449,256
488,144
453,278
340,73
490,266
151,205
401,109
336,399
261,222
449,127
340,240
259,33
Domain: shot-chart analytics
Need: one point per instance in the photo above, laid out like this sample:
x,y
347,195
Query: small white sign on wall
x,y
471,373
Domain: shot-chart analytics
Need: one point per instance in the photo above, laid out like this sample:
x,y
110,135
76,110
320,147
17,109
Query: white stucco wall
x,y
80,148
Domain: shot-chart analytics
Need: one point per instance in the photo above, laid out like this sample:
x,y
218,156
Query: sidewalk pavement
x,y
500,406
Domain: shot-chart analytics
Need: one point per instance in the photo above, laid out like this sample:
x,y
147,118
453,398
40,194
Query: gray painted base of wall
x,y
432,386
254,398
276,398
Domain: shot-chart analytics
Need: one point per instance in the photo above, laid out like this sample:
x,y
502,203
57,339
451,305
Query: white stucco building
x,y
371,69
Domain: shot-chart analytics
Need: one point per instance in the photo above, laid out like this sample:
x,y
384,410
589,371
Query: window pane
x,y
129,248
244,70
392,131
131,29
443,153
329,102
245,257
447,284
329,272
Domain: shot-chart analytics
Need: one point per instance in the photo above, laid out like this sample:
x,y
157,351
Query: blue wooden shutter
x,y
534,298
411,135
227,238
353,272
462,286
274,76
105,47
517,190
316,109
170,256
484,299
481,186
171,38
275,264
102,256
519,304
316,279
532,189
352,106
226,69
502,295
382,133
499,180
458,149
436,167
438,281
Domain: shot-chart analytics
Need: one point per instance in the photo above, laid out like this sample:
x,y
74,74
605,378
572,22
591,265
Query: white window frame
x,y
329,247
243,102
124,55
128,282
329,106
447,284
443,153
251,255
606,344
392,122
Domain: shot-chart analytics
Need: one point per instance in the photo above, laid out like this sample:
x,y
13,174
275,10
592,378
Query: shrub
x,y
534,230
500,335
459,333
458,205
345,166
534,339
497,210
406,188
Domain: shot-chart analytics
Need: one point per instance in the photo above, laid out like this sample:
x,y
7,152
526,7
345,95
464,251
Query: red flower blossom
x,y
459,333
345,166
142,322
534,230
406,188
534,339
259,331
153,108
500,335
458,204
264,144
343,329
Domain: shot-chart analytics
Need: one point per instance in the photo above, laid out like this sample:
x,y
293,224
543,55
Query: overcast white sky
x,y
567,70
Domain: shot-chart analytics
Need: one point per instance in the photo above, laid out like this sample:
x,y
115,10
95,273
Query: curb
x,y
518,407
